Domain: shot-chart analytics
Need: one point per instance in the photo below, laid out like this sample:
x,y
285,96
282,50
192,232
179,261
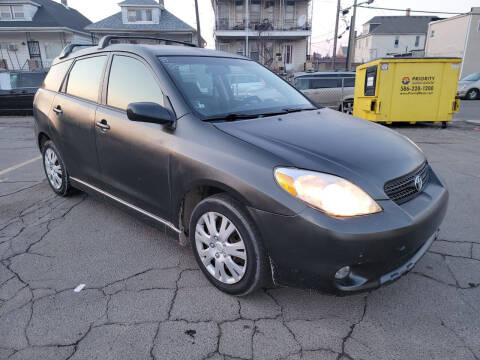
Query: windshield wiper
x,y
231,117
237,116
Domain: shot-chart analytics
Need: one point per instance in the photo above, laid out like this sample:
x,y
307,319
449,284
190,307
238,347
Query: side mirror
x,y
149,112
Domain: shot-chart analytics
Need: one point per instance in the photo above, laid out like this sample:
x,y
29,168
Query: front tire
x,y
227,246
55,169
347,107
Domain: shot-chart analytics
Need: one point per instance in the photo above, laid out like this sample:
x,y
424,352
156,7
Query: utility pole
x,y
199,36
351,38
336,36
247,53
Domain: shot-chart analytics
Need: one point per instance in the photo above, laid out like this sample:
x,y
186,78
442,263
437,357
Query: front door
x,y
73,115
133,156
34,52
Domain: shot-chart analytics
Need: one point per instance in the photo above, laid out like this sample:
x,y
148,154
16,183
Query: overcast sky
x,y
323,14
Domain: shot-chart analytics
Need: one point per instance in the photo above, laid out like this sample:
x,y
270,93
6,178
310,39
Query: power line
x,y
418,11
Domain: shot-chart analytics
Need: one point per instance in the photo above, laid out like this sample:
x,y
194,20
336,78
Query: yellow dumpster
x,y
407,89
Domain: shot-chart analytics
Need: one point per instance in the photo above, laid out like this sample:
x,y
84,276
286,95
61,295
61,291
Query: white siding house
x,y
457,36
33,32
385,36
277,31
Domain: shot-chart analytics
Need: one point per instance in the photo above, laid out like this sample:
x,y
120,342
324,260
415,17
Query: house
x,y
457,36
33,32
144,17
385,36
275,33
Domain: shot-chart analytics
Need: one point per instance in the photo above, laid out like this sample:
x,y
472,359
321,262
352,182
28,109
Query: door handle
x,y
102,125
58,109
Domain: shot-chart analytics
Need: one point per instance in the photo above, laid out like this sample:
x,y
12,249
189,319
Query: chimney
x,y
407,12
64,3
160,2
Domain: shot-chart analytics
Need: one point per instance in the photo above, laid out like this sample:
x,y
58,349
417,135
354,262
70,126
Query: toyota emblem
x,y
418,183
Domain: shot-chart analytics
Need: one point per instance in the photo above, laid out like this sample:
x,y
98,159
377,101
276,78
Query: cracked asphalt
x,y
145,297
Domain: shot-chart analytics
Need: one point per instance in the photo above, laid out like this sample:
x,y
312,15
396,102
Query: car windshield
x,y
472,77
216,87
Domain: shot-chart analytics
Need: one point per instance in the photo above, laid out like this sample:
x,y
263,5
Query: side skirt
x,y
93,189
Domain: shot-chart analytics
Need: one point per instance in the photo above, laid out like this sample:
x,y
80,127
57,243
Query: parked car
x,y
332,89
469,87
17,89
263,187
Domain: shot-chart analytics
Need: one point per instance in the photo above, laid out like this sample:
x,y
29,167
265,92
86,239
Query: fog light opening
x,y
342,273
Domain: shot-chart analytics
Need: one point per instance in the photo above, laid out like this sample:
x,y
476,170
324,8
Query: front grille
x,y
403,189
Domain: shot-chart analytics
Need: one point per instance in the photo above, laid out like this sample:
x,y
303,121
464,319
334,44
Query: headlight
x,y
328,193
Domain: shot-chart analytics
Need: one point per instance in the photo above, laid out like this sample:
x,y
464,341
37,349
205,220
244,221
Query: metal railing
x,y
261,25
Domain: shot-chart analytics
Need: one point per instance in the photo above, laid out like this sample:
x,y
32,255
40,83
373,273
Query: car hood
x,y
363,152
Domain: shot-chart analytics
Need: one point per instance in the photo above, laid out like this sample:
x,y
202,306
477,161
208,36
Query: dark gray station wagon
x,y
215,148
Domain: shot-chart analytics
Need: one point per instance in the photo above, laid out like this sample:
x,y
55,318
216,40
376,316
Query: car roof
x,y
148,49
325,73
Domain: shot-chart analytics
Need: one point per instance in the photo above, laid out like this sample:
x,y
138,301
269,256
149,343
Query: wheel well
x,y
42,138
191,199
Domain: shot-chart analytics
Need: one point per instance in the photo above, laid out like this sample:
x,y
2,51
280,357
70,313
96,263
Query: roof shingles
x,y
51,14
389,25
168,22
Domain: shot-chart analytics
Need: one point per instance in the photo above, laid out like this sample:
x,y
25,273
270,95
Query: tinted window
x,y
130,81
349,82
321,83
55,75
84,78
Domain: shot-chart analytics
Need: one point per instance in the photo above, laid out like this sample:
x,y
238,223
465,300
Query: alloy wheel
x,y
347,108
53,169
220,248
473,94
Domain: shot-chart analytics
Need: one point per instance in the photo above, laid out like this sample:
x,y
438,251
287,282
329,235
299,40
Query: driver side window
x,y
131,81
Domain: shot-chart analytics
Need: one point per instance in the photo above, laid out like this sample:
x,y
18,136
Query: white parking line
x,y
14,167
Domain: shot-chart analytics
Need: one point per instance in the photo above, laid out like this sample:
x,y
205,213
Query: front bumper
x,y
306,250
461,93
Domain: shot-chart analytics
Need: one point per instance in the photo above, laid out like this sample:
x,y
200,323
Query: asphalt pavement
x,y
140,295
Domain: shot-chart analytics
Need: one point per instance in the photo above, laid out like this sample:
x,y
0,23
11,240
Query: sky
x,y
323,19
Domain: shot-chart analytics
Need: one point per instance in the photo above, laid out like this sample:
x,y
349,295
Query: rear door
x,y
133,156
73,116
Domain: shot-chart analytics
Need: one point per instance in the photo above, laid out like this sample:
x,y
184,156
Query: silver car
x,y
332,89
469,87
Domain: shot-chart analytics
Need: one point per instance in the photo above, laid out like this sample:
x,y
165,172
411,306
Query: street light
x,y
351,37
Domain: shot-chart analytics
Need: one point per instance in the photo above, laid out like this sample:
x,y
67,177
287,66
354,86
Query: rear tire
x,y
227,246
472,94
55,169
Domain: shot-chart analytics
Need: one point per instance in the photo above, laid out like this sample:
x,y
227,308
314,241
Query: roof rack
x,y
105,41
67,50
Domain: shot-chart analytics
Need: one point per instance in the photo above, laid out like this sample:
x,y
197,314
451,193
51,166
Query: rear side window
x,y
84,78
131,81
325,83
55,75
349,82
